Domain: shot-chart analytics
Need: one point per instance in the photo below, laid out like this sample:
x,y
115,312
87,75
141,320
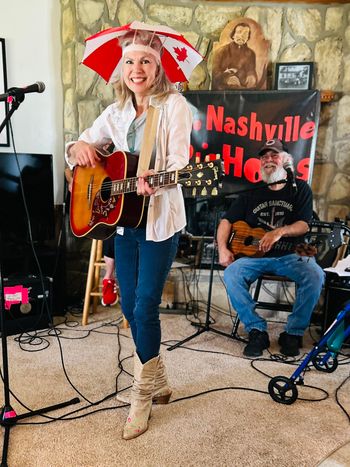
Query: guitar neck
x,y
158,180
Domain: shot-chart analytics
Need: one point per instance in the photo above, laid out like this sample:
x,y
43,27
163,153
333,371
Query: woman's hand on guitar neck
x,y
143,187
83,154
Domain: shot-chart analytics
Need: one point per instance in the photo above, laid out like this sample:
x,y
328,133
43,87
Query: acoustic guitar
x,y
244,241
105,196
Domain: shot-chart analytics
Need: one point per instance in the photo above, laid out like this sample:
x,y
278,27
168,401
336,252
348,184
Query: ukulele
x,y
244,241
105,196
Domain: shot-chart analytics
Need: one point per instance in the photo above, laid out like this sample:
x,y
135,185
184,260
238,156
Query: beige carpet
x,y
233,427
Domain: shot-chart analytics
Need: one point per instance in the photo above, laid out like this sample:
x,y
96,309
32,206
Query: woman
x,y
144,255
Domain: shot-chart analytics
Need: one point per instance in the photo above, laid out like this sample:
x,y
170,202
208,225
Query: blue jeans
x,y
304,271
142,267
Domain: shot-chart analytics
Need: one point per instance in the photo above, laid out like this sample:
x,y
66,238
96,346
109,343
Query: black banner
x,y
236,124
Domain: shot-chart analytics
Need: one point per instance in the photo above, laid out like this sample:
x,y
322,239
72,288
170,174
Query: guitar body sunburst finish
x,y
94,210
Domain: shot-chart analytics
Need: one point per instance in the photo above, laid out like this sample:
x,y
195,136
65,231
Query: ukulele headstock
x,y
306,249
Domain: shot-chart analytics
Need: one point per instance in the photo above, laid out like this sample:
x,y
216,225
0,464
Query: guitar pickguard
x,y
101,208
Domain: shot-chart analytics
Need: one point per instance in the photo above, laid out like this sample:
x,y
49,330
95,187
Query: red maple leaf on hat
x,y
181,53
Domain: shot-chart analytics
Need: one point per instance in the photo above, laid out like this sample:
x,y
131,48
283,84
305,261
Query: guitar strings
x,y
132,181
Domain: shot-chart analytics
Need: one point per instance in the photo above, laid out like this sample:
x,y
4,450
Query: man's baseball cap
x,y
275,145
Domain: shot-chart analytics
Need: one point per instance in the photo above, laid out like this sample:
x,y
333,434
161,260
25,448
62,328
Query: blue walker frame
x,y
324,357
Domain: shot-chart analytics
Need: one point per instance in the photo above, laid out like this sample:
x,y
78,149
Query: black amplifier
x,y
28,303
337,293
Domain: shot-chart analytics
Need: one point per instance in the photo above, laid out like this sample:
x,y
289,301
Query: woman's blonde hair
x,y
161,87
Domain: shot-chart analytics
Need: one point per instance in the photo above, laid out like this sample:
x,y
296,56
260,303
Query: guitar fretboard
x,y
158,180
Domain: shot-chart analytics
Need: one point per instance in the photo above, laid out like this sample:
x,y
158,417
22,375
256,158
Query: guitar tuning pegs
x,y
204,192
207,158
194,191
214,191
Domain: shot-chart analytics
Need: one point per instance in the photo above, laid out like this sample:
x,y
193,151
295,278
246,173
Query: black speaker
x,y
28,303
337,293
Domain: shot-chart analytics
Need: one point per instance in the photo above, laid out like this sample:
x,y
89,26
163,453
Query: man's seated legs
x,y
238,277
309,279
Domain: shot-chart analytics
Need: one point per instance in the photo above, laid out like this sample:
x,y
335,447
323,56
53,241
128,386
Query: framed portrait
x,y
240,58
293,76
4,135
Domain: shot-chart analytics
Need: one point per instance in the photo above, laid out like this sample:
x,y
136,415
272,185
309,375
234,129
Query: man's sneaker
x,y
109,292
258,342
290,344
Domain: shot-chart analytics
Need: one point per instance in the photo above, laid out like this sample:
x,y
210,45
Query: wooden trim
x,y
327,96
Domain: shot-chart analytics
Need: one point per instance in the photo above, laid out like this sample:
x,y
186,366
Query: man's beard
x,y
277,175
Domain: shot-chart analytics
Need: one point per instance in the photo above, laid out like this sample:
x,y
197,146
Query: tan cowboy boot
x,y
141,397
162,391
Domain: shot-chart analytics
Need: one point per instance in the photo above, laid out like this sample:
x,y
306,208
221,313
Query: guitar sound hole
x,y
248,240
106,189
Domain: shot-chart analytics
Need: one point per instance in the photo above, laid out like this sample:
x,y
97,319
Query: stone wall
x,y
297,32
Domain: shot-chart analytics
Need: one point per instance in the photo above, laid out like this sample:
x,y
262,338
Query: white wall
x,y
31,29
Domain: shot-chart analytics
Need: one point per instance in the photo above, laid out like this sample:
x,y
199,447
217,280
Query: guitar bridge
x,y
89,190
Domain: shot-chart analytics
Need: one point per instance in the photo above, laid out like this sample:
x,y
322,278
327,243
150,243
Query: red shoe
x,y
109,292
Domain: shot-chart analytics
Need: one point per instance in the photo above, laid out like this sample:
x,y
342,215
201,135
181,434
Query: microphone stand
x,y
206,326
8,416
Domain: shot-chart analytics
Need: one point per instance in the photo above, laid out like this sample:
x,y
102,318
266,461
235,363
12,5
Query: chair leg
x,y
235,326
89,283
257,289
97,273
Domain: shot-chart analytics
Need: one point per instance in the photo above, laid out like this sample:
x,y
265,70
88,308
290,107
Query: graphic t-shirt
x,y
270,209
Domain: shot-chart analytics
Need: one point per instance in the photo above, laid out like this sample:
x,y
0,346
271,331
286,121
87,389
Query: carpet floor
x,y
221,413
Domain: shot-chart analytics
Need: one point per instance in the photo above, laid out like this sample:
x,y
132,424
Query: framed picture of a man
x,y
240,58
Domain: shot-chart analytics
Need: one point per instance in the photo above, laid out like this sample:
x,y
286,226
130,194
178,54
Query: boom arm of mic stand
x,y
259,187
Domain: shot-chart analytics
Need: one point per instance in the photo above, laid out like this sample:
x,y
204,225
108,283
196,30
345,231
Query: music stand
x,y
206,327
8,416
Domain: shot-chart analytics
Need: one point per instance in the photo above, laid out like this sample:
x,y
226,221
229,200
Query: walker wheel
x,y
283,390
328,366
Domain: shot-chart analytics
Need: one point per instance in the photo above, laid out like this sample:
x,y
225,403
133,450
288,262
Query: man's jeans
x,y
142,267
306,273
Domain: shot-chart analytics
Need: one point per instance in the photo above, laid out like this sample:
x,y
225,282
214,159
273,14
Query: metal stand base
x,y
206,327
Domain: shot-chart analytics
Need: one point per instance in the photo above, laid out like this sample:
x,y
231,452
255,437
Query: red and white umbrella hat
x,y
103,52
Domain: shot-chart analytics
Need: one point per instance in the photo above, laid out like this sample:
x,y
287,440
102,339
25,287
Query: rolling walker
x,y
324,357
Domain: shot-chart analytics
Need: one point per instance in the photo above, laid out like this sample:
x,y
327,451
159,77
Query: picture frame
x,y
4,135
291,76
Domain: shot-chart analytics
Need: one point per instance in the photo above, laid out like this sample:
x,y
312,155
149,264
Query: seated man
x,y
284,212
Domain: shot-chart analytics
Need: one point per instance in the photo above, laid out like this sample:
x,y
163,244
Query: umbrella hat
x,y
103,51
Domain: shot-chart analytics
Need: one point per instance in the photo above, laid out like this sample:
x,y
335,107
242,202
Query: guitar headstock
x,y
203,178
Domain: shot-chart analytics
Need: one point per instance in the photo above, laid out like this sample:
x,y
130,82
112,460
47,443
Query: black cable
x,y
337,397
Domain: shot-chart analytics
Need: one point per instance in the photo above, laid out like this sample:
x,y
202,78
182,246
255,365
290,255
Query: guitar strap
x,y
149,136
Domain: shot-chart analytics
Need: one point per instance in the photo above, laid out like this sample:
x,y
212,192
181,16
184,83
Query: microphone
x,y
288,167
39,86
